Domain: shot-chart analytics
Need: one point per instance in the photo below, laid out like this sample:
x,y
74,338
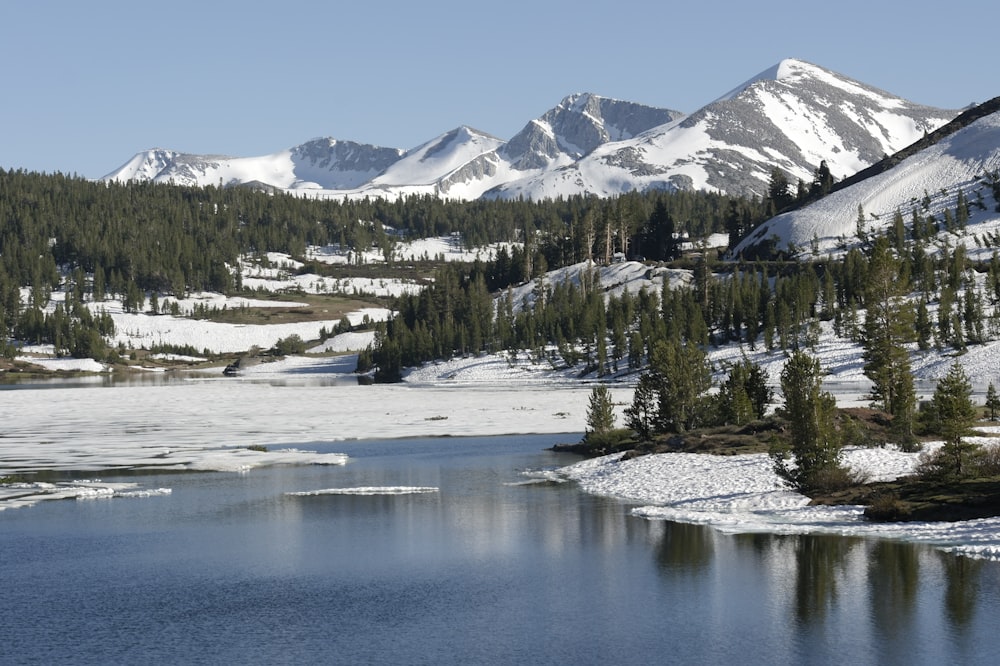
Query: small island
x,y
956,478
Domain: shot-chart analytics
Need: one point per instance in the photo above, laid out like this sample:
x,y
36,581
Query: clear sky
x,y
86,85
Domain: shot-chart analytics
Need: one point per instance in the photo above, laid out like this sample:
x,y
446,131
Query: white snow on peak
x,y
794,71
430,162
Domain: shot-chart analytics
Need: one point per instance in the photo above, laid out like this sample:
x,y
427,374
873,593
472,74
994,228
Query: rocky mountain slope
x,y
959,162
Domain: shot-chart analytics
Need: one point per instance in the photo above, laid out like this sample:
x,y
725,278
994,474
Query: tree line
x,y
135,240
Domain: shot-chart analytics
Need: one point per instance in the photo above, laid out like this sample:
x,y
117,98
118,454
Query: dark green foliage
x,y
992,401
779,192
600,412
641,415
815,443
889,325
951,414
671,395
822,181
744,395
293,344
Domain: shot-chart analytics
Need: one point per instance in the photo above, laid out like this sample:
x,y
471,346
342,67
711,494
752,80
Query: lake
x,y
458,556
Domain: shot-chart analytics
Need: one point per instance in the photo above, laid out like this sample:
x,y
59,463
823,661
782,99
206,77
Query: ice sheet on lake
x,y
534,476
17,495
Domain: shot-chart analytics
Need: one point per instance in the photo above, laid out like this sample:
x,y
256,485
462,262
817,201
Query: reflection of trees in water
x,y
893,575
761,544
961,590
898,579
820,560
685,547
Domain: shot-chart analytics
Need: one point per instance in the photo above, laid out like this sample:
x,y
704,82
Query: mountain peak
x,y
788,70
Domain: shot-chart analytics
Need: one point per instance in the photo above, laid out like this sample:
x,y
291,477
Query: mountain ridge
x,y
792,115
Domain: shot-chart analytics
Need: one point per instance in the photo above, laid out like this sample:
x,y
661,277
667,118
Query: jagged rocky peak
x,y
579,124
328,152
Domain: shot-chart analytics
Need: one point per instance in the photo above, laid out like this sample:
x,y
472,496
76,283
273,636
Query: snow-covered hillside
x,y
793,115
929,181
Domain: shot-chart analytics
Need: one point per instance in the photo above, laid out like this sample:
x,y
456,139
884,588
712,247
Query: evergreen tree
x,y
923,327
679,375
822,181
952,414
815,444
600,412
641,415
992,401
744,395
779,192
889,325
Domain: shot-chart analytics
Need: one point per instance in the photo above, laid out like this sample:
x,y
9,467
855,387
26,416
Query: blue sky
x,y
88,85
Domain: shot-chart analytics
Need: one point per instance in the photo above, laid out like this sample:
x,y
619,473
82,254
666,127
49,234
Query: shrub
x,y
886,507
293,344
986,461
608,440
831,479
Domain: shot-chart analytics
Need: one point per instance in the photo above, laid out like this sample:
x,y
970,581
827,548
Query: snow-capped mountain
x,y
321,164
960,160
794,115
460,164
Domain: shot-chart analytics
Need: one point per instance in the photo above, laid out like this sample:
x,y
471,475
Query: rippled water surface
x,y
443,551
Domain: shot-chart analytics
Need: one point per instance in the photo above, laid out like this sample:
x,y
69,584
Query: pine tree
x,y
889,325
641,415
992,401
744,395
923,327
779,192
952,415
679,375
815,444
600,412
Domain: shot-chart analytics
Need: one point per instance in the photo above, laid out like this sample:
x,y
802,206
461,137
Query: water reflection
x,y
818,577
893,578
685,548
488,569
962,575
821,561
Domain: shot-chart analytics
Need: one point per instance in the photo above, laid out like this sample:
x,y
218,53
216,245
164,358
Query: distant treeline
x,y
133,240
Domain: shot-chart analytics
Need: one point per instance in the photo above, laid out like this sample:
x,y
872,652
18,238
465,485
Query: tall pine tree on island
x,y
815,443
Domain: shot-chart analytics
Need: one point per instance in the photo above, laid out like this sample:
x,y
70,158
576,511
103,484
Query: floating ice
x,y
23,494
367,490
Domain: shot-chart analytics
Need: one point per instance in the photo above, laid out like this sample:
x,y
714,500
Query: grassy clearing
x,y
318,307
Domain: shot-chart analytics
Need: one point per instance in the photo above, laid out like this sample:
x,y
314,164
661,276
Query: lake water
x,y
489,568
